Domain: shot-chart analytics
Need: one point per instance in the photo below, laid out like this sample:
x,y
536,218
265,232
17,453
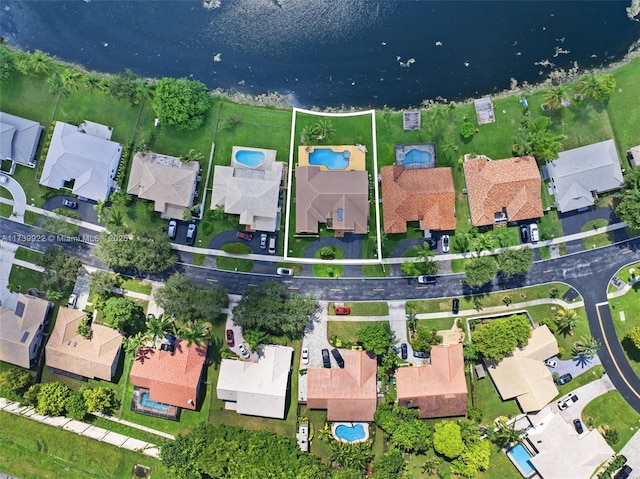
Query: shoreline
x,y
275,99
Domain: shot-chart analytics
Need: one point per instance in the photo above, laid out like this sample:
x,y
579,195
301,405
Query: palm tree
x,y
427,265
195,333
448,144
158,327
587,347
567,320
322,130
307,136
40,62
71,79
588,86
556,96
505,434
133,344
408,268
253,338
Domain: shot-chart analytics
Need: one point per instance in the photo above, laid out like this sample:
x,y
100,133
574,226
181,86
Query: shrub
x,y
206,227
467,130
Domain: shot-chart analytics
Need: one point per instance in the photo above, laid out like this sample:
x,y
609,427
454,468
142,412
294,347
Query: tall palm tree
x,y
323,130
71,79
588,85
40,62
425,255
158,327
567,320
133,344
253,338
195,333
587,347
555,97
505,434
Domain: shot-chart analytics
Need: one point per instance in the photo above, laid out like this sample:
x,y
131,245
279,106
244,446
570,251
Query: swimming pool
x,y
520,456
351,431
332,160
146,402
250,158
414,158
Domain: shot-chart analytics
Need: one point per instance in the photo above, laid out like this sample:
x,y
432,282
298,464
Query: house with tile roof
x,y
523,375
257,388
503,191
19,139
165,180
426,195
438,389
21,330
580,174
251,191
348,394
339,199
95,357
82,158
169,377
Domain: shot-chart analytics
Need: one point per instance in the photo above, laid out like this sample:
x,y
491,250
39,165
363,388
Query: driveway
x,y
7,255
573,221
631,451
315,336
85,208
351,245
19,198
585,394
574,366
227,237
237,330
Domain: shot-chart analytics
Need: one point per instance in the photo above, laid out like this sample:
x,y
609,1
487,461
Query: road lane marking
x,y
627,251
547,271
335,289
378,289
606,343
422,287
211,280
293,287
252,285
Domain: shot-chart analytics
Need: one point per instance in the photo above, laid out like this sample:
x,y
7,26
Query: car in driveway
x,y
567,402
427,279
524,233
191,233
171,231
552,363
338,357
230,339
445,243
326,361
455,306
263,241
284,271
244,236
404,351
578,425
305,356
564,379
420,354
70,204
534,234
623,473
73,300
243,351
341,311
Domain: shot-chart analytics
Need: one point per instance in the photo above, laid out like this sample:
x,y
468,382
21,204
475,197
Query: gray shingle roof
x,y
19,139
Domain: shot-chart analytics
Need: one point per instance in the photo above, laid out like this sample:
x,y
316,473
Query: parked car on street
x,y
305,356
455,306
191,233
243,351
230,339
340,311
171,231
564,379
284,271
568,402
578,425
403,351
524,233
426,279
445,243
326,361
70,204
263,241
244,236
338,357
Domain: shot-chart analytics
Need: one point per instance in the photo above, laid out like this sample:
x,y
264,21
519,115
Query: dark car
x,y
342,311
623,473
70,204
420,354
403,351
524,233
578,425
426,279
230,340
338,357
244,236
326,361
564,379
455,306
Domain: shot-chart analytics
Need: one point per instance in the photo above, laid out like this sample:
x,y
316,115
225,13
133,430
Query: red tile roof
x,y
171,378
426,195
512,183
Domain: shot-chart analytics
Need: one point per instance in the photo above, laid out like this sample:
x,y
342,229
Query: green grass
x,y
29,255
630,305
21,279
550,226
378,308
624,107
135,285
489,401
613,410
602,239
437,323
33,450
347,331
5,210
328,270
318,417
587,377
235,264
198,259
138,216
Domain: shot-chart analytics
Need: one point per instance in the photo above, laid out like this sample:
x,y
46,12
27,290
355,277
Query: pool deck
x,y
356,160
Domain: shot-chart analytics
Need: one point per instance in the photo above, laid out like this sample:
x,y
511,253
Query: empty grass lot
x,y
348,331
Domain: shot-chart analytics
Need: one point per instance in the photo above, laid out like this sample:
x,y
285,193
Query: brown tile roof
x,y
425,194
92,358
513,183
321,194
438,389
347,394
171,378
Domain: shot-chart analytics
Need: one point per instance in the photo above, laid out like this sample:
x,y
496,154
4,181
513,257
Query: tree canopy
x,y
269,309
376,337
181,102
60,272
500,337
189,302
515,261
628,209
535,138
480,270
123,314
424,338
447,439
634,336
147,251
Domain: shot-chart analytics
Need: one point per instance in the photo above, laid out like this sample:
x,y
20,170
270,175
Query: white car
x,y
552,363
445,243
534,233
305,356
4,179
243,351
73,299
568,402
284,271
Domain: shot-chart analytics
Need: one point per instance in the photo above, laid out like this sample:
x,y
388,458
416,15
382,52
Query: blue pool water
x,y
522,456
329,158
148,403
417,157
350,433
249,158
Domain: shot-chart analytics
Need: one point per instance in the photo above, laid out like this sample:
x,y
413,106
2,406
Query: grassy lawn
x,y
380,308
550,226
541,291
29,255
613,410
5,210
135,285
591,375
499,466
488,400
602,239
629,304
32,450
347,331
318,417
437,324
21,279
624,107
235,264
137,216
327,270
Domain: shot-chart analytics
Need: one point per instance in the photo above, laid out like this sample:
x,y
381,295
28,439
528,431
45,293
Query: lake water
x,y
330,52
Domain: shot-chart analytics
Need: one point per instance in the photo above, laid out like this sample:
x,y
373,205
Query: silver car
x,y
243,351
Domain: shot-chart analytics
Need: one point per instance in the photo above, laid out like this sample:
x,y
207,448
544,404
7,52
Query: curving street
x,y
588,272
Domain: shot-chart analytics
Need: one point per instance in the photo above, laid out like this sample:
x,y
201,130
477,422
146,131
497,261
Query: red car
x,y
230,340
342,311
244,236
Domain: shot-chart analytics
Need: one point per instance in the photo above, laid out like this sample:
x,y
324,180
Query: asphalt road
x,y
588,272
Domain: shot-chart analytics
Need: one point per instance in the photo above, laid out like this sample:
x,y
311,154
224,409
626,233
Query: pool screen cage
x,y
172,412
